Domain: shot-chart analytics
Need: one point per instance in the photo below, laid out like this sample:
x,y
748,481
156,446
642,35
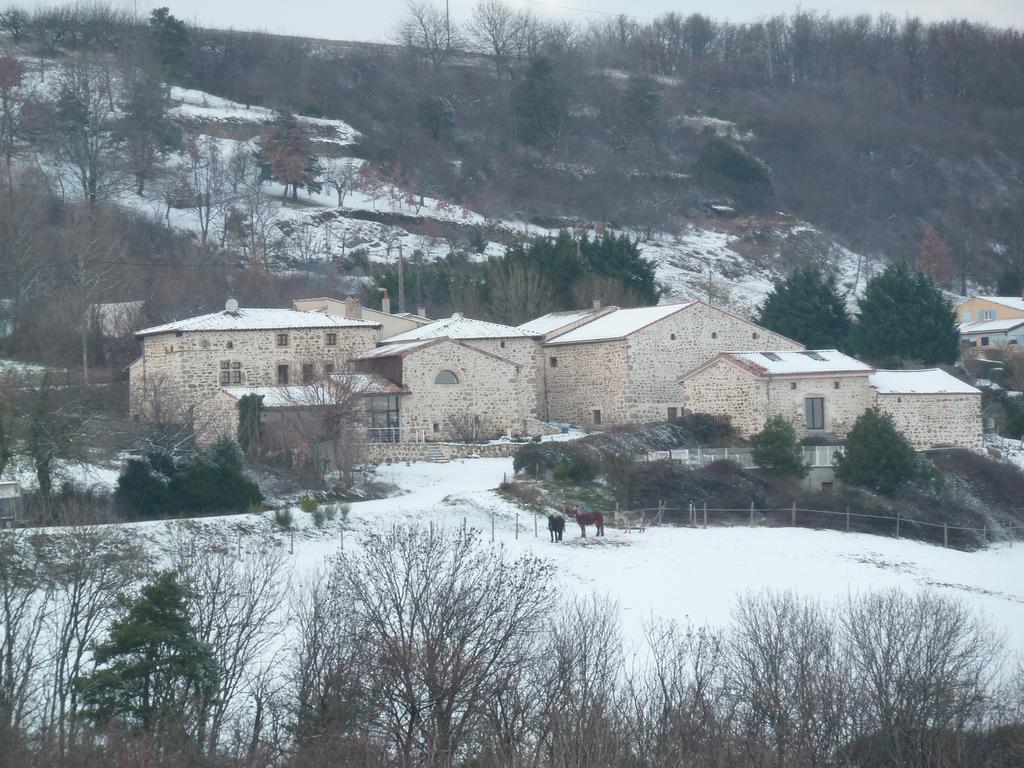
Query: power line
x,y
587,10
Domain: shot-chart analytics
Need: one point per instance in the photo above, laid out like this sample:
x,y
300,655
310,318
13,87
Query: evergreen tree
x,y
877,456
170,42
151,672
541,105
807,307
903,316
776,450
147,131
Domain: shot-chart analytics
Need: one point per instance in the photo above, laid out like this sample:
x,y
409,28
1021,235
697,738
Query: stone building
x,y
624,365
819,391
352,308
503,341
823,392
931,407
188,361
455,390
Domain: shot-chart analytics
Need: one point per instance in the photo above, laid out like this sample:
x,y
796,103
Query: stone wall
x,y
587,377
725,390
493,390
377,453
785,397
936,420
528,354
188,366
662,352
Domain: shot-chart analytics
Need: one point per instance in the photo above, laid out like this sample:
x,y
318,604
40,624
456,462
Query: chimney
x,y
353,308
596,304
421,311
385,303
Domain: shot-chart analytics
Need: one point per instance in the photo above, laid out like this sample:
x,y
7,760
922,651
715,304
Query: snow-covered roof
x,y
459,327
619,324
803,363
396,350
554,320
257,320
930,381
991,326
1013,302
308,395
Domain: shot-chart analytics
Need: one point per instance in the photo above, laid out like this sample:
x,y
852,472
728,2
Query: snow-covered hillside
x,y
690,575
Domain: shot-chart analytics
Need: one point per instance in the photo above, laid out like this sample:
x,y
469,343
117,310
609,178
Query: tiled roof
x,y
930,381
396,350
257,320
792,363
459,327
619,324
319,394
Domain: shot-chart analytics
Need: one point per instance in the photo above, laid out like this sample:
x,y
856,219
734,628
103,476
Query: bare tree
x,y
342,175
425,28
437,624
519,293
493,28
201,181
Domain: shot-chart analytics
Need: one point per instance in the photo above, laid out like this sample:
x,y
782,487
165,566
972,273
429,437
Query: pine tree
x,y
877,456
170,42
934,257
904,317
807,307
151,672
776,450
541,105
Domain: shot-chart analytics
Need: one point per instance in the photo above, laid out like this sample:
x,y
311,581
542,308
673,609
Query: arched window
x,y
446,377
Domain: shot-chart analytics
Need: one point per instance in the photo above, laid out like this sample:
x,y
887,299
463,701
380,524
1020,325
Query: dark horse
x,y
585,518
556,525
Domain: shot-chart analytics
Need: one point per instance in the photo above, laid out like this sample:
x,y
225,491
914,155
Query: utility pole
x,y
401,279
447,26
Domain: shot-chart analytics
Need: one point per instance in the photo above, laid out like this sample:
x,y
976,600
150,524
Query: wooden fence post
x,y
517,526
945,535
847,519
792,516
897,525
536,532
492,526
705,513
751,514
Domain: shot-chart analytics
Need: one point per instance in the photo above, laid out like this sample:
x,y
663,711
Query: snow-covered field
x,y
689,575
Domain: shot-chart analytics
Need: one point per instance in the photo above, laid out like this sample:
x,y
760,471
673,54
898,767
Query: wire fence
x,y
701,516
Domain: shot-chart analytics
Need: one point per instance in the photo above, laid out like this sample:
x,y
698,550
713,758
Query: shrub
x,y
309,505
579,469
319,516
877,456
776,450
283,517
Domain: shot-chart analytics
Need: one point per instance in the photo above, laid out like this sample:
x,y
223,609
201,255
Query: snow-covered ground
x,y
689,575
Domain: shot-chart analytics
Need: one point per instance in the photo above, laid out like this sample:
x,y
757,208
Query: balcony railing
x,y
396,435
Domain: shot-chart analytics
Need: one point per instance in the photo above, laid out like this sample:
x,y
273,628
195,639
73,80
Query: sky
x,y
374,20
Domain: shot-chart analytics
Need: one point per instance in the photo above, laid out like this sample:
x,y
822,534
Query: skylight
x,y
813,355
772,356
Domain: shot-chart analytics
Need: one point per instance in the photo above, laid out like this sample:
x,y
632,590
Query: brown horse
x,y
585,518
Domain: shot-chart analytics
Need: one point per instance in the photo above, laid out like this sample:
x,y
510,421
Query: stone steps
x,y
436,455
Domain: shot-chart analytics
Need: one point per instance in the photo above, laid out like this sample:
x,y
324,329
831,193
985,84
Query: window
x,y
596,416
446,377
282,339
229,345
672,336
225,372
331,340
835,385
714,334
813,356
328,368
437,427
236,373
282,375
382,418
792,385
755,335
966,317
771,356
814,412
984,341
502,344
554,362
307,373
673,414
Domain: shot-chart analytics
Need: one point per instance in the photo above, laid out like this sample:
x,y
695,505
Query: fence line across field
x,y
814,456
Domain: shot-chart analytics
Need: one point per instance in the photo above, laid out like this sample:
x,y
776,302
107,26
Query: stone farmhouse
x,y
189,361
822,392
456,378
623,366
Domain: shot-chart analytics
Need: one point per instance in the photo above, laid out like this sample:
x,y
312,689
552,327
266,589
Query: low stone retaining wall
x,y
377,453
